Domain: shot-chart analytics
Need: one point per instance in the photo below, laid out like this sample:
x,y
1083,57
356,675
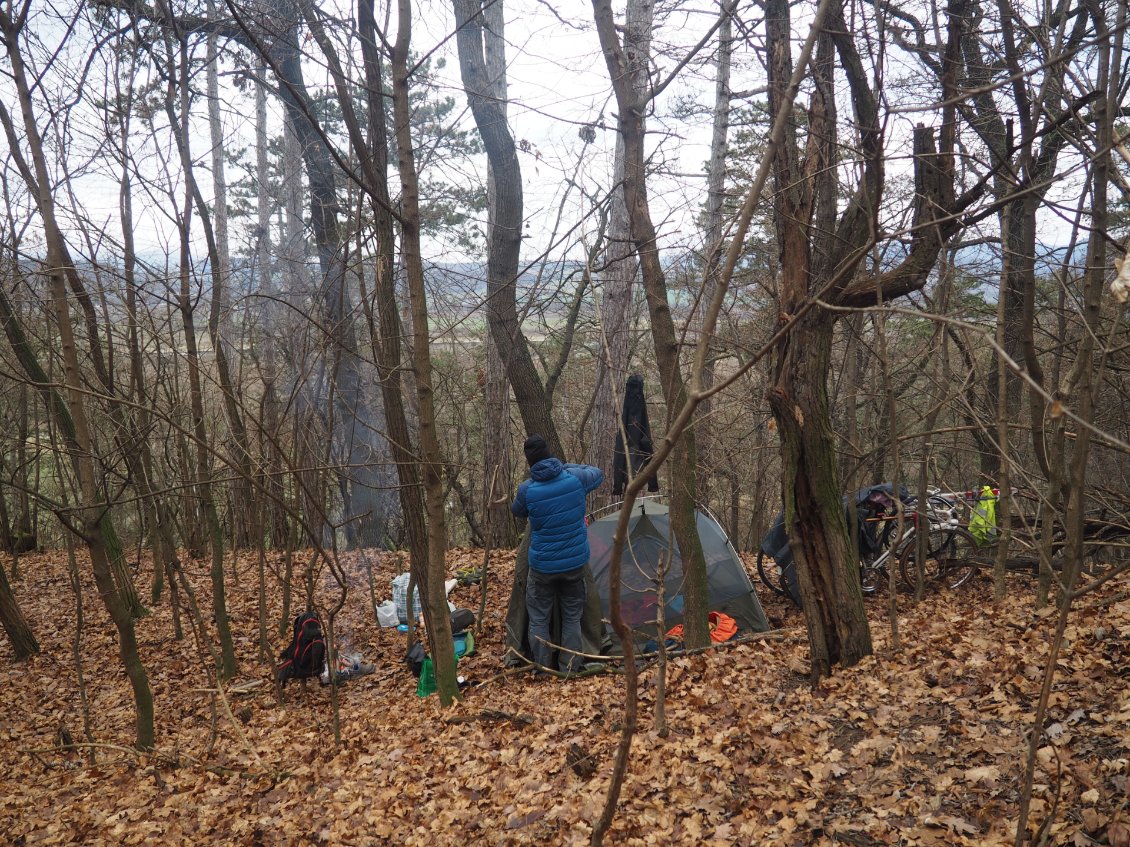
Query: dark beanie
x,y
536,450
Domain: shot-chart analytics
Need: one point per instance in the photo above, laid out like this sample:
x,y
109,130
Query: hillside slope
x,y
920,746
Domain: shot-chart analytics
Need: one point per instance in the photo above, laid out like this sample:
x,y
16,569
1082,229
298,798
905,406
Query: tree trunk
x,y
7,536
161,544
820,248
438,622
714,237
631,108
94,517
499,528
26,526
505,241
14,623
220,261
371,509
388,352
1087,373
838,632
275,526
40,186
94,512
621,263
178,115
427,542
1023,163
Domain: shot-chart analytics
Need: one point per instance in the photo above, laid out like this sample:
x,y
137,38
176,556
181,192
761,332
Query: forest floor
x,y
916,746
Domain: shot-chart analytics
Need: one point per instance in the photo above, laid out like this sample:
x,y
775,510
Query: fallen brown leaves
x,y
921,747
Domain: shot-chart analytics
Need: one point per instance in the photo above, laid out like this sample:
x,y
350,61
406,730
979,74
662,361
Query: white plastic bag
x,y
386,614
400,598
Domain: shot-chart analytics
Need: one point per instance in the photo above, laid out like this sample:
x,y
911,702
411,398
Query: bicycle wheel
x,y
873,568
952,558
770,573
871,577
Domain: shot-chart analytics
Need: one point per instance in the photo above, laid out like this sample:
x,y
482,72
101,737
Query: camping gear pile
x,y
420,663
870,502
399,602
305,656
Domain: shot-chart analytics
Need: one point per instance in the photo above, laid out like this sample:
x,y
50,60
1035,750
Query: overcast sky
x,y
557,82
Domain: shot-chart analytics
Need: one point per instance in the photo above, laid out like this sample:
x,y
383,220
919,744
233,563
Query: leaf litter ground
x,y
921,746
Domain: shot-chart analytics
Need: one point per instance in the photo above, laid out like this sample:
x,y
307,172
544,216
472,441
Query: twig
x,y
1110,601
1041,836
1100,580
531,666
608,662
219,689
748,638
169,759
519,670
82,745
514,671
491,716
244,688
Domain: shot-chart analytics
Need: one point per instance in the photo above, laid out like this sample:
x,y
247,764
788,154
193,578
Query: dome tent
x,y
649,547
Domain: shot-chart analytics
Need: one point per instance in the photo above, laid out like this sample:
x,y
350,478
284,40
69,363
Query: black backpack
x,y
306,653
462,620
415,658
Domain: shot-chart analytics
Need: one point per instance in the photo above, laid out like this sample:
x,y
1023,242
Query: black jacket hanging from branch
x,y
640,448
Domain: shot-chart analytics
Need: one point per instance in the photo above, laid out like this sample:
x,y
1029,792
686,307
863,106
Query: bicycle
x,y
946,542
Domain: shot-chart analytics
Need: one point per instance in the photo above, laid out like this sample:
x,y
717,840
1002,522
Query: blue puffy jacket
x,y
553,498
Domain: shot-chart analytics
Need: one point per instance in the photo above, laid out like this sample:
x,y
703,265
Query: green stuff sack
x,y
983,524
427,683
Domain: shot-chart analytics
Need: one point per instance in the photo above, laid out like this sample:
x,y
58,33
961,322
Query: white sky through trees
x,y
557,84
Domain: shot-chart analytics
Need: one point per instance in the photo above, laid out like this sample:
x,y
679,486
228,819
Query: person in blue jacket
x,y
553,499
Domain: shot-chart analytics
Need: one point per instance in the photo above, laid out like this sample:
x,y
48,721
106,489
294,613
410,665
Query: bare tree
x,y
93,514
499,527
820,252
621,266
177,109
505,237
631,107
714,231
428,541
432,464
215,223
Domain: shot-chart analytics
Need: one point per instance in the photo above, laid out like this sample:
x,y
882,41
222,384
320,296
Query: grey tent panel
x,y
650,549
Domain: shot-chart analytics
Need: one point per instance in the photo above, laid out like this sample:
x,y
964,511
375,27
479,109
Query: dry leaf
x,y
953,824
909,747
988,774
1093,820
